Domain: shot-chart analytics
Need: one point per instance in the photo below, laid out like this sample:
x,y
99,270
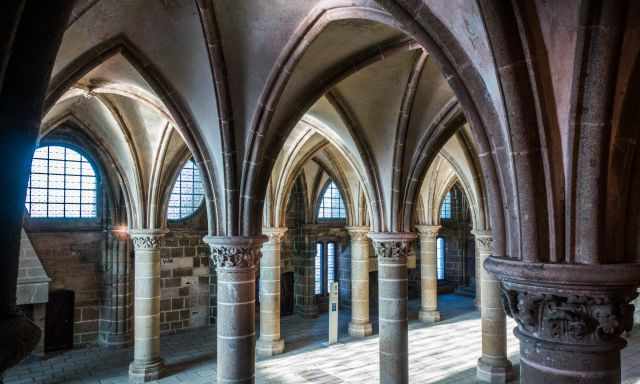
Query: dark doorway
x,y
286,294
59,320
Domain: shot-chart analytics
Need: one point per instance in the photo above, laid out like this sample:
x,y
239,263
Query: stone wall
x,y
73,260
184,281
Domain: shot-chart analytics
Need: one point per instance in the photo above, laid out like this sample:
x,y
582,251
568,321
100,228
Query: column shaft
x,y
493,365
147,363
392,250
428,273
236,259
360,324
270,341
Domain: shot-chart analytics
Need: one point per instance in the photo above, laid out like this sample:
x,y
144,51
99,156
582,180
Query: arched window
x,y
445,207
440,252
187,194
331,204
62,184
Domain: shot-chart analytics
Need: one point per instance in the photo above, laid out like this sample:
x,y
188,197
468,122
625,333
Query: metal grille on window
x,y
187,194
318,269
62,184
440,252
332,204
331,263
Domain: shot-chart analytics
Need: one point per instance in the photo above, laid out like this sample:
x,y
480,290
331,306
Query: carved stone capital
x,y
235,252
358,233
146,239
392,246
588,318
274,233
484,241
428,231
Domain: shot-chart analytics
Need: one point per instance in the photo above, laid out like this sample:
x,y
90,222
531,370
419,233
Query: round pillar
x,y
235,259
270,342
147,364
428,273
392,249
570,317
493,365
360,324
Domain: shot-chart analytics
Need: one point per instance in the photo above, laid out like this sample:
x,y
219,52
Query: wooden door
x,y
59,320
286,294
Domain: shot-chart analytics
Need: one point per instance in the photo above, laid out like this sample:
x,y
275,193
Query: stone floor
x,y
441,353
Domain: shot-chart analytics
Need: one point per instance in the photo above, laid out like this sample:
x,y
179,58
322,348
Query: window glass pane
x,y
187,194
332,204
440,252
331,263
318,269
445,208
56,188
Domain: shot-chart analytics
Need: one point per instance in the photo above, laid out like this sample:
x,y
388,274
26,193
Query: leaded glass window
x,y
445,208
332,204
440,252
331,263
187,194
318,268
62,184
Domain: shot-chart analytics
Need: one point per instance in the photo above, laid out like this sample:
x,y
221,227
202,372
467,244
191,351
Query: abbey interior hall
x,y
319,191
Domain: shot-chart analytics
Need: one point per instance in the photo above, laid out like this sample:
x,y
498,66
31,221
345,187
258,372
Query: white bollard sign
x,y
333,313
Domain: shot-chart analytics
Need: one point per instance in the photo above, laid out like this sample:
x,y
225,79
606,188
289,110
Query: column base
x,y
494,371
429,316
360,329
144,372
307,311
269,347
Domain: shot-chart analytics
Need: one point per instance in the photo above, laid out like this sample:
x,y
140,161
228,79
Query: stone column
x,y
147,364
236,259
360,324
493,365
115,316
392,249
428,273
270,342
305,298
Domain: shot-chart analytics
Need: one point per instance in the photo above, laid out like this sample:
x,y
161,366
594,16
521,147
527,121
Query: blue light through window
x,y
62,184
187,194
440,252
332,204
445,208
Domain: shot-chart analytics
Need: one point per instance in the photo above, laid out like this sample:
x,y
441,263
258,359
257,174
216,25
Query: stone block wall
x,y
184,281
73,260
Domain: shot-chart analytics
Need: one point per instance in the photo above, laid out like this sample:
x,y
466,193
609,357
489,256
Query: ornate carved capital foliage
x,y
485,244
235,252
146,239
274,233
358,233
589,319
392,247
428,231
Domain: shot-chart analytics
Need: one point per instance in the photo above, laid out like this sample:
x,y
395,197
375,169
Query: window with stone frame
x,y
62,184
441,249
187,194
331,203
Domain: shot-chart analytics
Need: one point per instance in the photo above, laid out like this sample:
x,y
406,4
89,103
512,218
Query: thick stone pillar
x,y
428,273
236,259
570,317
392,249
304,277
493,365
360,324
116,311
147,364
270,342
